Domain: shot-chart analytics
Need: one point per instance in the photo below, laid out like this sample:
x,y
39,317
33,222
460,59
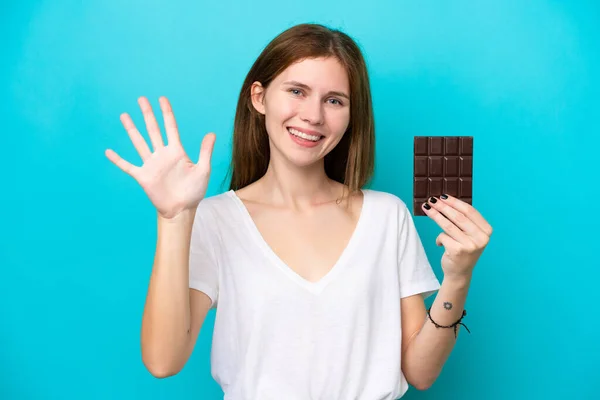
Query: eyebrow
x,y
305,86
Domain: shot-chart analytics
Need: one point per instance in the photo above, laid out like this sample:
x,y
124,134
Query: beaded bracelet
x,y
455,325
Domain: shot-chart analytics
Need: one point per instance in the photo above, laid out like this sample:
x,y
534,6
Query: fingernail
x,y
426,206
444,196
432,199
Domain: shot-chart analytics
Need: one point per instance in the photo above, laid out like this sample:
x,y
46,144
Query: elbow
x,y
417,377
160,364
159,371
422,386
421,383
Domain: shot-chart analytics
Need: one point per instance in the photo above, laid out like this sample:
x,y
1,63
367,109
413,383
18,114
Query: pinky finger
x,y
125,166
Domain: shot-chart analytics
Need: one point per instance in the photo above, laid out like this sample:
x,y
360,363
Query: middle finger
x,y
452,221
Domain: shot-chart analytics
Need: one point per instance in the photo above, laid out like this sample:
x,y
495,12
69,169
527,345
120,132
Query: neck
x,y
297,188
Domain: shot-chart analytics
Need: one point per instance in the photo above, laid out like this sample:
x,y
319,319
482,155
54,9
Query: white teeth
x,y
304,135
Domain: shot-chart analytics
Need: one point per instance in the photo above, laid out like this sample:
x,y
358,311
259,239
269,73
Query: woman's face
x,y
306,108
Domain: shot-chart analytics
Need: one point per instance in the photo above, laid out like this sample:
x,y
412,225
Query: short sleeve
x,y
416,274
203,262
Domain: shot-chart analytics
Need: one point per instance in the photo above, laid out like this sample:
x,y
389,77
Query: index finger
x,y
470,212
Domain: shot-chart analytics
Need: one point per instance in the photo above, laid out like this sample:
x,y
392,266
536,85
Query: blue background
x,y
78,235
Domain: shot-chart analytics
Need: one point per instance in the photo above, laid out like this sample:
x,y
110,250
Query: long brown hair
x,y
351,162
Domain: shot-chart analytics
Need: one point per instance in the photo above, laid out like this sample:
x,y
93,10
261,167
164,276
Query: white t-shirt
x,y
278,336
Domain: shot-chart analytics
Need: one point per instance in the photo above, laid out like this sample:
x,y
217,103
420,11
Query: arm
x,y
465,236
426,348
174,313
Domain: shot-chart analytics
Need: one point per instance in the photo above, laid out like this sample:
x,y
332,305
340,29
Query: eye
x,y
295,91
338,102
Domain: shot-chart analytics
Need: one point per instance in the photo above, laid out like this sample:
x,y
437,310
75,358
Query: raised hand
x,y
171,180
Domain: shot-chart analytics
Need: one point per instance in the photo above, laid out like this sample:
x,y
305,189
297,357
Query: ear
x,y
257,94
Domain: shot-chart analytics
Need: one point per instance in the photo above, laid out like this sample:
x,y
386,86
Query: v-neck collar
x,y
314,287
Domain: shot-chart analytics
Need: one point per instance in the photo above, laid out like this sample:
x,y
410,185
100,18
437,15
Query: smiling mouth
x,y
305,136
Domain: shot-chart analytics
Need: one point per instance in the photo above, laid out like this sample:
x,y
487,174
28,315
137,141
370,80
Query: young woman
x,y
320,283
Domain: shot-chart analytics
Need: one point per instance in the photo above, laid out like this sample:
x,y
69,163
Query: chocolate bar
x,y
442,164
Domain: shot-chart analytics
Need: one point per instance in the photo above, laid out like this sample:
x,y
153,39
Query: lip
x,y
304,143
307,131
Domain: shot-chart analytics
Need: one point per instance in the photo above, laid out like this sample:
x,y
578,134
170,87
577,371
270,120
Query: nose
x,y
312,112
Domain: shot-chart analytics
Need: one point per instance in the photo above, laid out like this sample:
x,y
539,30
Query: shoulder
x,y
386,201
216,205
388,209
215,217
215,199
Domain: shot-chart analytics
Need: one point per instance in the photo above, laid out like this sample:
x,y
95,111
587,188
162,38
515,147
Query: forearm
x,y
166,319
428,351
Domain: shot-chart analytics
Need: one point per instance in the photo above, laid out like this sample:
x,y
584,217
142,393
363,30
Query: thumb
x,y
441,239
206,149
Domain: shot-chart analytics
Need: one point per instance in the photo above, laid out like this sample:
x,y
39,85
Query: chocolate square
x,y
442,164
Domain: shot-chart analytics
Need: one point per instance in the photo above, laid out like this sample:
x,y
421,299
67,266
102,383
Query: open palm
x,y
171,180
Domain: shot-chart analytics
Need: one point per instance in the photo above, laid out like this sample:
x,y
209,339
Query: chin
x,y
304,162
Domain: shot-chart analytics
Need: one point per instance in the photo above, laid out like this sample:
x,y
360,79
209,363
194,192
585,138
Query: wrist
x,y
184,217
461,281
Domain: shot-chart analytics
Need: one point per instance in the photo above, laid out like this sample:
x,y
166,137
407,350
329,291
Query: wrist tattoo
x,y
447,305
